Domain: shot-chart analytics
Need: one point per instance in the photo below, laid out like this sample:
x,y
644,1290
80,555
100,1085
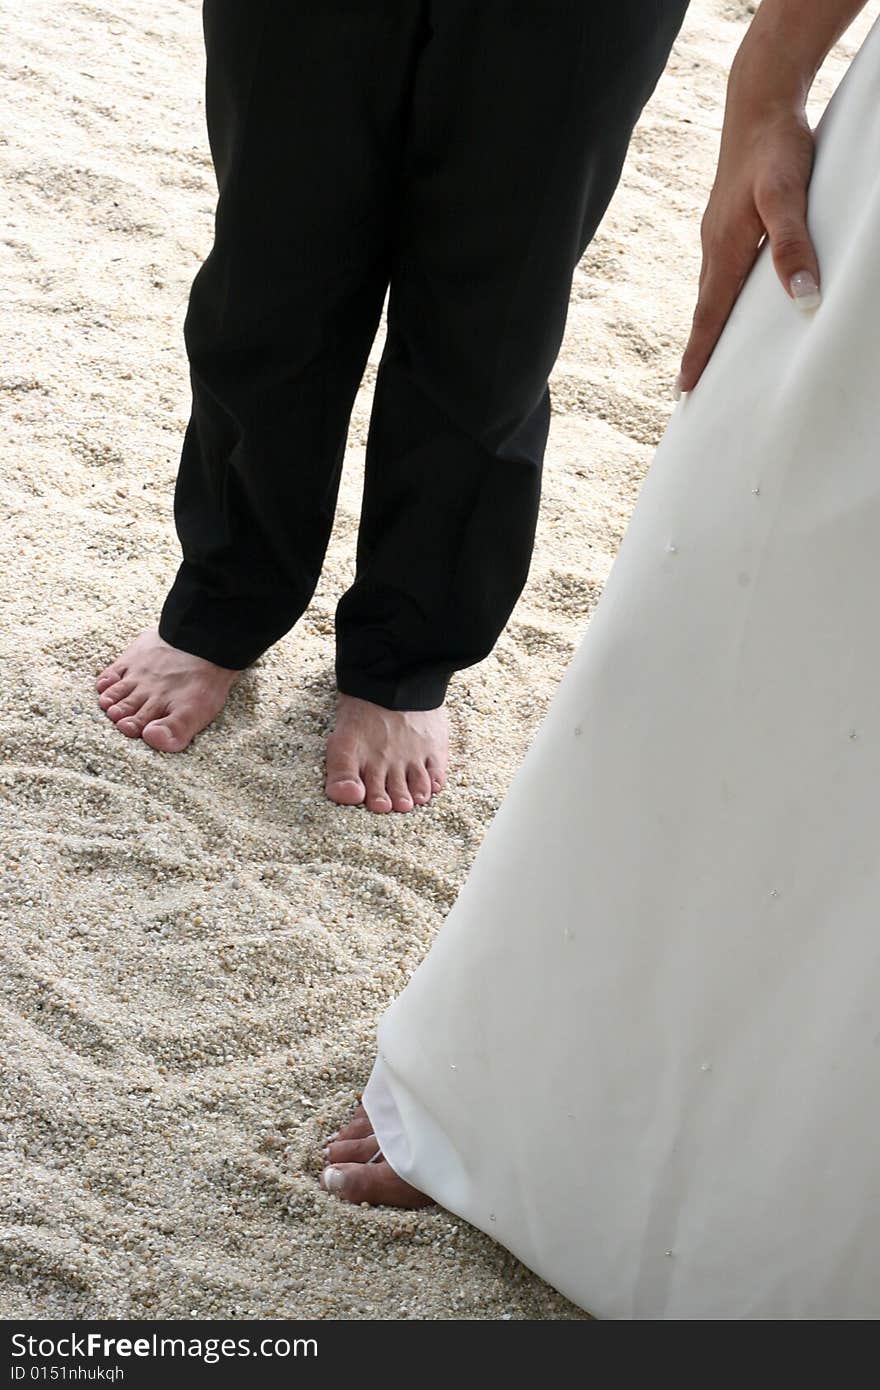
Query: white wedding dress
x,y
644,1052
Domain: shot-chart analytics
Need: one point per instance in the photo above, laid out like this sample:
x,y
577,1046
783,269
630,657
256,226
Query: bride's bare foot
x,y
165,696
354,1173
388,760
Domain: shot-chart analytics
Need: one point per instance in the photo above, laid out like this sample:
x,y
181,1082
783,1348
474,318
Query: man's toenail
x,y
325,1154
334,1181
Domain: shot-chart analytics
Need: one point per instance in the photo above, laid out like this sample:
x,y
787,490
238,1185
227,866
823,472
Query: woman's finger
x,y
783,210
720,286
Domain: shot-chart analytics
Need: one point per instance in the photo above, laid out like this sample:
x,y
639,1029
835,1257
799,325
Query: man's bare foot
x,y
165,696
353,1172
387,760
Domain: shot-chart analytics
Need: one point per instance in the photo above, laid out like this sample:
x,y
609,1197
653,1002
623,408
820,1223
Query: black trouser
x,y
461,152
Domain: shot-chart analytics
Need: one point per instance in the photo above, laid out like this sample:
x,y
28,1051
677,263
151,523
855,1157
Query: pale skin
x,y
386,760
760,190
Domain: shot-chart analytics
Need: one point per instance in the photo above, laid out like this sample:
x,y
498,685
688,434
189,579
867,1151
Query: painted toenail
x,y
334,1180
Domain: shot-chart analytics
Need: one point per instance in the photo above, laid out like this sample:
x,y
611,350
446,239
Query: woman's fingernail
x,y
804,290
676,388
334,1180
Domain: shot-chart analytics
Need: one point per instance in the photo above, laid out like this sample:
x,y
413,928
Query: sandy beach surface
x,y
196,948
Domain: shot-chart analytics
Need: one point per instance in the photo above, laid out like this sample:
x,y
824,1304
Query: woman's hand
x,y
760,190
764,166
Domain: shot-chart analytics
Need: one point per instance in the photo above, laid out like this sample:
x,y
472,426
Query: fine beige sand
x,y
196,947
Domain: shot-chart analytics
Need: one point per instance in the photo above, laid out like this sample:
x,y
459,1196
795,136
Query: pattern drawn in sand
x,y
196,948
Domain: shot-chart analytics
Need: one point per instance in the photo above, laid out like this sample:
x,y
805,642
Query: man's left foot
x,y
353,1173
385,759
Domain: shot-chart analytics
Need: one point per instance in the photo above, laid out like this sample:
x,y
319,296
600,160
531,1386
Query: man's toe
x,y
437,773
345,791
377,797
133,725
419,783
170,734
109,676
114,693
344,783
396,786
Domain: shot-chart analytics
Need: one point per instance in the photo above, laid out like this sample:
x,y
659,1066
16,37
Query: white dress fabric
x,y
644,1051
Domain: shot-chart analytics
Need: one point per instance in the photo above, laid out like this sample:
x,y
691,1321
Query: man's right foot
x,y
165,696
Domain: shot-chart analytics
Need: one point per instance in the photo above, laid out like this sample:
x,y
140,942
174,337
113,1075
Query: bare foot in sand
x,y
387,760
162,695
355,1171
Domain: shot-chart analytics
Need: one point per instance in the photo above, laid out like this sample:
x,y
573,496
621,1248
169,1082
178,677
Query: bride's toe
x,y
377,1184
358,1127
351,1150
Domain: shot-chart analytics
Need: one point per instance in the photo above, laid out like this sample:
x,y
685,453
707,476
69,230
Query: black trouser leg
x,y
521,116
307,104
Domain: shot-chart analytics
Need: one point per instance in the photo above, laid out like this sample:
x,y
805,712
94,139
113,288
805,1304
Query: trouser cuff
x,y
417,691
229,631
